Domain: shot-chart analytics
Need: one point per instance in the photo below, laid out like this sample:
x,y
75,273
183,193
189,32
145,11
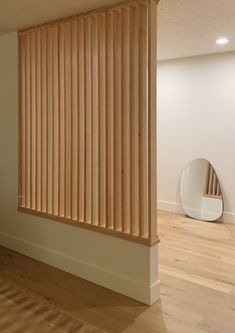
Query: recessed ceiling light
x,y
222,41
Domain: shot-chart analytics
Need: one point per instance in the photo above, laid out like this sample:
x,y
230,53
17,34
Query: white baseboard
x,y
169,206
105,278
174,207
229,217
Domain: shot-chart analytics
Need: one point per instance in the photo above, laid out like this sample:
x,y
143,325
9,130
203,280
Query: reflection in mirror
x,y
200,191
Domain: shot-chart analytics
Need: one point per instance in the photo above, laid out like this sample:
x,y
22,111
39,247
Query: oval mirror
x,y
200,191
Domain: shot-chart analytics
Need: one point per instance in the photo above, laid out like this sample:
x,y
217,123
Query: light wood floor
x,y
197,272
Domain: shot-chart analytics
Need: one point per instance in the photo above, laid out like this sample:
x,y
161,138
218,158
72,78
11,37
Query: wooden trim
x,y
152,121
143,122
88,226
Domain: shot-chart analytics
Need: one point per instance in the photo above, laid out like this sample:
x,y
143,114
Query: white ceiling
x,y
191,27
20,14
185,27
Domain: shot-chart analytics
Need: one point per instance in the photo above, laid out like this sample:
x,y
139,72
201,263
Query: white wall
x,y
196,118
123,266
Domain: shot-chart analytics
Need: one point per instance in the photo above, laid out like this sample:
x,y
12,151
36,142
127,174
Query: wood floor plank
x,y
197,272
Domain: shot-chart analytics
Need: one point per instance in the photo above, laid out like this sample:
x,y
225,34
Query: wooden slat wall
x,y
212,186
88,120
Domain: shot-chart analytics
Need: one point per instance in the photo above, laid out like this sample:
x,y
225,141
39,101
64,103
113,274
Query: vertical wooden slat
x,y
118,119
49,122
44,121
22,147
62,120
134,121
88,121
95,122
152,82
38,124
143,119
110,119
81,121
33,119
55,120
207,173
210,181
74,143
28,126
68,123
126,125
38,119
102,120
214,184
218,193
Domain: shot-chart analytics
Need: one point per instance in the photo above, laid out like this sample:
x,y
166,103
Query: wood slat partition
x,y
88,120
